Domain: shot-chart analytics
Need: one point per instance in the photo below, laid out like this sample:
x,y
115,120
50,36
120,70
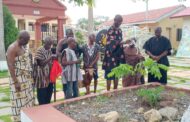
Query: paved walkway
x,y
178,76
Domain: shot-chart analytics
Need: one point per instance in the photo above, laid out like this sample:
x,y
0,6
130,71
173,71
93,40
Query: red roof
x,y
27,7
183,13
153,15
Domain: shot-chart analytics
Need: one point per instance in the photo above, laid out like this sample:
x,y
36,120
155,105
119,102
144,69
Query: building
x,y
184,46
40,17
3,63
157,17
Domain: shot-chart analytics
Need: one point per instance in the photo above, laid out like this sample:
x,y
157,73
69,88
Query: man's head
x,y
69,33
23,38
71,42
92,38
118,21
48,43
158,31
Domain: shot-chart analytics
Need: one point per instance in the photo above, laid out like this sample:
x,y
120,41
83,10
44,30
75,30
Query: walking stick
x,y
54,91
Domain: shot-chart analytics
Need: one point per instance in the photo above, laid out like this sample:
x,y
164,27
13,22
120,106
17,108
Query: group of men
x,y
68,54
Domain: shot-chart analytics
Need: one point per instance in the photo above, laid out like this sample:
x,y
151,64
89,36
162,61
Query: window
x,y
54,28
179,34
30,26
45,27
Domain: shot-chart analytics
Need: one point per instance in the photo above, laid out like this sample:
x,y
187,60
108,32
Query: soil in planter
x,y
125,104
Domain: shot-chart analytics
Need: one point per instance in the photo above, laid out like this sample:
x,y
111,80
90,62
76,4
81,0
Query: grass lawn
x,y
6,118
4,74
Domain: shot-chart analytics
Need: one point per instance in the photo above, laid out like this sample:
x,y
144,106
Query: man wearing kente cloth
x,y
158,48
19,63
113,51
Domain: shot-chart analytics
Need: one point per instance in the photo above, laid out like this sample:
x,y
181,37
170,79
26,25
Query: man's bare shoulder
x,y
13,48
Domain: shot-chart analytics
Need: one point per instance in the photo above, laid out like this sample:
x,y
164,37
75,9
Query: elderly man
x,y
63,44
42,67
113,51
158,48
19,64
71,70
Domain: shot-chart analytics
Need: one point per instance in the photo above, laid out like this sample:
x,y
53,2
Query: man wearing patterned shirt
x,y
113,52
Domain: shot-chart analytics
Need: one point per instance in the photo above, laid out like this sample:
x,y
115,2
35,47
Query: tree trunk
x,y
3,65
90,20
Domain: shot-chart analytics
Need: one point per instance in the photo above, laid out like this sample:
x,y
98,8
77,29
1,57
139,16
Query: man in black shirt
x,y
158,48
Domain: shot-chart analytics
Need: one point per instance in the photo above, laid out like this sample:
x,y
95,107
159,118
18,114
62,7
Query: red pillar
x,y
60,21
38,31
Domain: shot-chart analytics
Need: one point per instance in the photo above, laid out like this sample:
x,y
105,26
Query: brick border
x,y
49,113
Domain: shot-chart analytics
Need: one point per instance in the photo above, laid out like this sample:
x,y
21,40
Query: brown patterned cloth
x,y
42,73
25,97
132,57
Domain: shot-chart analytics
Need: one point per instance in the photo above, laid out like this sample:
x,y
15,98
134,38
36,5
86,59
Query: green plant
x,y
150,65
121,70
10,30
80,37
151,96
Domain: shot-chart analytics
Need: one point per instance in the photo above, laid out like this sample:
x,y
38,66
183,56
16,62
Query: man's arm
x,y
11,55
165,53
58,48
43,63
65,62
96,60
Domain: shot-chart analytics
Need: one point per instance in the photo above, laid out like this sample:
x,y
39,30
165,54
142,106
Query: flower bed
x,y
128,105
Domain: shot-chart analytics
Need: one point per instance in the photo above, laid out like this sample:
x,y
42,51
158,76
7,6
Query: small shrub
x,y
150,65
151,96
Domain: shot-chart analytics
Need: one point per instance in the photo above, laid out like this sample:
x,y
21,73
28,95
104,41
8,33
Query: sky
x,y
112,7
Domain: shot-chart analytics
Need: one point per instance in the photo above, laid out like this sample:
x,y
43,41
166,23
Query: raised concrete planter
x,y
48,113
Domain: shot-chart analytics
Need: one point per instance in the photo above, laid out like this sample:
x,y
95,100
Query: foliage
x,y
82,2
121,70
80,37
83,22
150,65
151,96
10,30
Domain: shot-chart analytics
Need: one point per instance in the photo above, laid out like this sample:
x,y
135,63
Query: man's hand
x,y
17,87
156,58
78,61
53,56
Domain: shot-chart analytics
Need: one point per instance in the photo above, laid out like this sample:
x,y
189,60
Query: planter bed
x,y
124,101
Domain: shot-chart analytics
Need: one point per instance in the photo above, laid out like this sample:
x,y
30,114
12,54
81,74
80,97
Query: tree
x,y
81,2
83,22
90,20
80,37
2,49
10,30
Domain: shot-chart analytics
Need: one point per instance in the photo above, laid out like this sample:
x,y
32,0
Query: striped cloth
x,y
71,73
42,73
25,97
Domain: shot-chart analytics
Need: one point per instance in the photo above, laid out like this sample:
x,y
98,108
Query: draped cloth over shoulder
x,y
24,98
42,73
